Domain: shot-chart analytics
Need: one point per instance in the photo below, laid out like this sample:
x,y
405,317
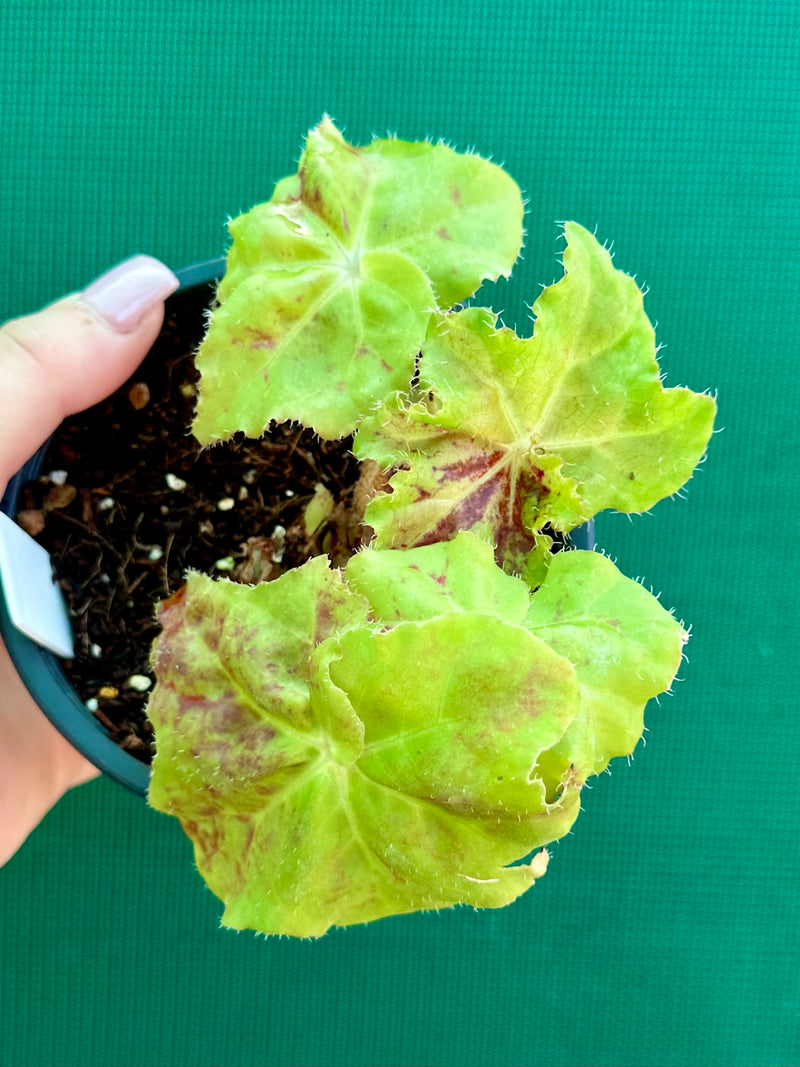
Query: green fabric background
x,y
667,929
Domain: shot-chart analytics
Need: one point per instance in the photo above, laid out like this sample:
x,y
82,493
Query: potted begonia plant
x,y
404,720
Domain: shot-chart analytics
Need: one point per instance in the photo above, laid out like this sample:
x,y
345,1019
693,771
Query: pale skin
x,y
52,364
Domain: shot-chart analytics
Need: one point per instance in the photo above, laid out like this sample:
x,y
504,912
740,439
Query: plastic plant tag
x,y
35,603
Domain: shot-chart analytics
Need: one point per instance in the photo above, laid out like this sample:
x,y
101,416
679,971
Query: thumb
x,y
75,352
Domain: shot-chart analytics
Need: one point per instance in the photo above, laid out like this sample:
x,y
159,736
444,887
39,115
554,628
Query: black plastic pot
x,y
41,671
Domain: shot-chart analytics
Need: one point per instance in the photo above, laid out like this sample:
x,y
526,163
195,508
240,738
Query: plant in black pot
x,y
388,672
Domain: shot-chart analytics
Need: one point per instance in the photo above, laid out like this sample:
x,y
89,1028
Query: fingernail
x,y
125,293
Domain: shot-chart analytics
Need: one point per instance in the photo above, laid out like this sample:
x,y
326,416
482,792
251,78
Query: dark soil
x,y
128,501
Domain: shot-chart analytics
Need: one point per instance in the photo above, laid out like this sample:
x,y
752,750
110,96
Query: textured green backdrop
x,y
667,929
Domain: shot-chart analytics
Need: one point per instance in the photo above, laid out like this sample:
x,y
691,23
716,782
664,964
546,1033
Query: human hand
x,y
53,363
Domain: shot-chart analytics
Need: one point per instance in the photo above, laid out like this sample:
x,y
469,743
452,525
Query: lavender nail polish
x,y
125,293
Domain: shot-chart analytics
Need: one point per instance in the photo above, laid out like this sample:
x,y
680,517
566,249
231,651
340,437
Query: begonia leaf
x,y
331,768
506,436
625,647
330,285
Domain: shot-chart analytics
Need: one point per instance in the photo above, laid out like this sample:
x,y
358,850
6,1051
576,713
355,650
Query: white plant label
x,y
35,603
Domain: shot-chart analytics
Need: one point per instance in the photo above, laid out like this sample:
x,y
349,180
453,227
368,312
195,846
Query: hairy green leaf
x,y
507,435
340,748
625,649
331,767
330,285
452,742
